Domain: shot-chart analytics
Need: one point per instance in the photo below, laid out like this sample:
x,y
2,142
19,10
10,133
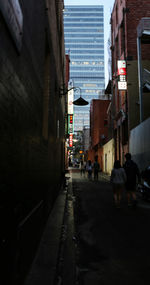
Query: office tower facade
x,y
84,42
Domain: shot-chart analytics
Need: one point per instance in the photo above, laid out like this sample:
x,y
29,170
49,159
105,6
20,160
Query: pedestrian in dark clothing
x,y
81,167
118,179
96,168
132,172
89,169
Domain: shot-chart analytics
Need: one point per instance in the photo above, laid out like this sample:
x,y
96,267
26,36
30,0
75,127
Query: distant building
x,y
84,42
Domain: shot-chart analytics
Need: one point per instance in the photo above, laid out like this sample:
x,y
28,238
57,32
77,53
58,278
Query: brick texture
x,y
29,163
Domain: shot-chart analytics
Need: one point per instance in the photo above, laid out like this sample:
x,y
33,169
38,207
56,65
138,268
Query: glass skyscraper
x,y
84,42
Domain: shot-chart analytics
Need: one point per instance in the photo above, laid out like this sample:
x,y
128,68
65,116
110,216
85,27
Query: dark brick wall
x,y
137,9
27,160
125,18
32,164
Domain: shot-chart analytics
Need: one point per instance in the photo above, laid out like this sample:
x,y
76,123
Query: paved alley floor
x,y
113,244
87,241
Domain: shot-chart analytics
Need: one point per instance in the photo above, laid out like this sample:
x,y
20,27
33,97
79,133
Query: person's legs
x,y
129,198
119,194
115,194
115,197
90,174
95,175
133,193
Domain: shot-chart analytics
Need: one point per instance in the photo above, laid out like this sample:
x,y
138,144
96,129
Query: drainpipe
x,y
140,78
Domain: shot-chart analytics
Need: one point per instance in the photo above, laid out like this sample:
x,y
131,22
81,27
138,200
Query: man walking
x,y
132,172
96,168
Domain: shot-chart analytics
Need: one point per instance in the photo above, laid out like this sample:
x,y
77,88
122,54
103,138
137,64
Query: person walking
x,y
89,169
132,173
118,179
84,167
96,168
81,167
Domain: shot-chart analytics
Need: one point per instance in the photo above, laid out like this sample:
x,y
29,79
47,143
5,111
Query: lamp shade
x,y
80,102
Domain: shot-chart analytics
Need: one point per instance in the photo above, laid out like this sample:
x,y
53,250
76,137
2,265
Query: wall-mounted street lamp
x,y
80,101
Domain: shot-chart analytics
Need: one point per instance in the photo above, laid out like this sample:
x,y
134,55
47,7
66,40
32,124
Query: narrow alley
x,y
98,244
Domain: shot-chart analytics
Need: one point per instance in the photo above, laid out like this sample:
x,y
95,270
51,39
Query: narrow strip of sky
x,y
108,5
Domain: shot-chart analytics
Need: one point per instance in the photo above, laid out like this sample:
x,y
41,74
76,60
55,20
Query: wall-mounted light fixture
x,y
80,101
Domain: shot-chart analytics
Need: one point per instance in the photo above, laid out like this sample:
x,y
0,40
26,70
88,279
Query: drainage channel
x,y
66,264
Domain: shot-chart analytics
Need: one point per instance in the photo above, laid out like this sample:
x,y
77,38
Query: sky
x,y
108,5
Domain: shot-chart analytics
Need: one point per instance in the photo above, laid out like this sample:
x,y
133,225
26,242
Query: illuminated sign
x,y
70,101
70,124
71,140
122,67
13,16
122,72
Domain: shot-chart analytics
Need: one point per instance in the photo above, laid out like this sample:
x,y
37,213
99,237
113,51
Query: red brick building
x,y
98,128
125,18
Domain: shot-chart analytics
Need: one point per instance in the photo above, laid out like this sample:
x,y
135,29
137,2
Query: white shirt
x,y
118,176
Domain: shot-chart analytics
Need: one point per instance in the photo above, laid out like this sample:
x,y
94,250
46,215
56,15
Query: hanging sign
x,y
122,85
71,140
122,67
122,75
70,101
70,124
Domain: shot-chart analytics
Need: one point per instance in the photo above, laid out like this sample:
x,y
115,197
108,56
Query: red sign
x,y
122,67
122,71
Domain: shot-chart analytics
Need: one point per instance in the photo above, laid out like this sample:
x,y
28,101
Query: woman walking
x,y
118,179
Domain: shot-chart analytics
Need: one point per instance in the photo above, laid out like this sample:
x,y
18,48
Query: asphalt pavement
x,y
87,241
113,244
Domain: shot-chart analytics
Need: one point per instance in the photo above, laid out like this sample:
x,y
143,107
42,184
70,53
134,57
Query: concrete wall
x,y
139,144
